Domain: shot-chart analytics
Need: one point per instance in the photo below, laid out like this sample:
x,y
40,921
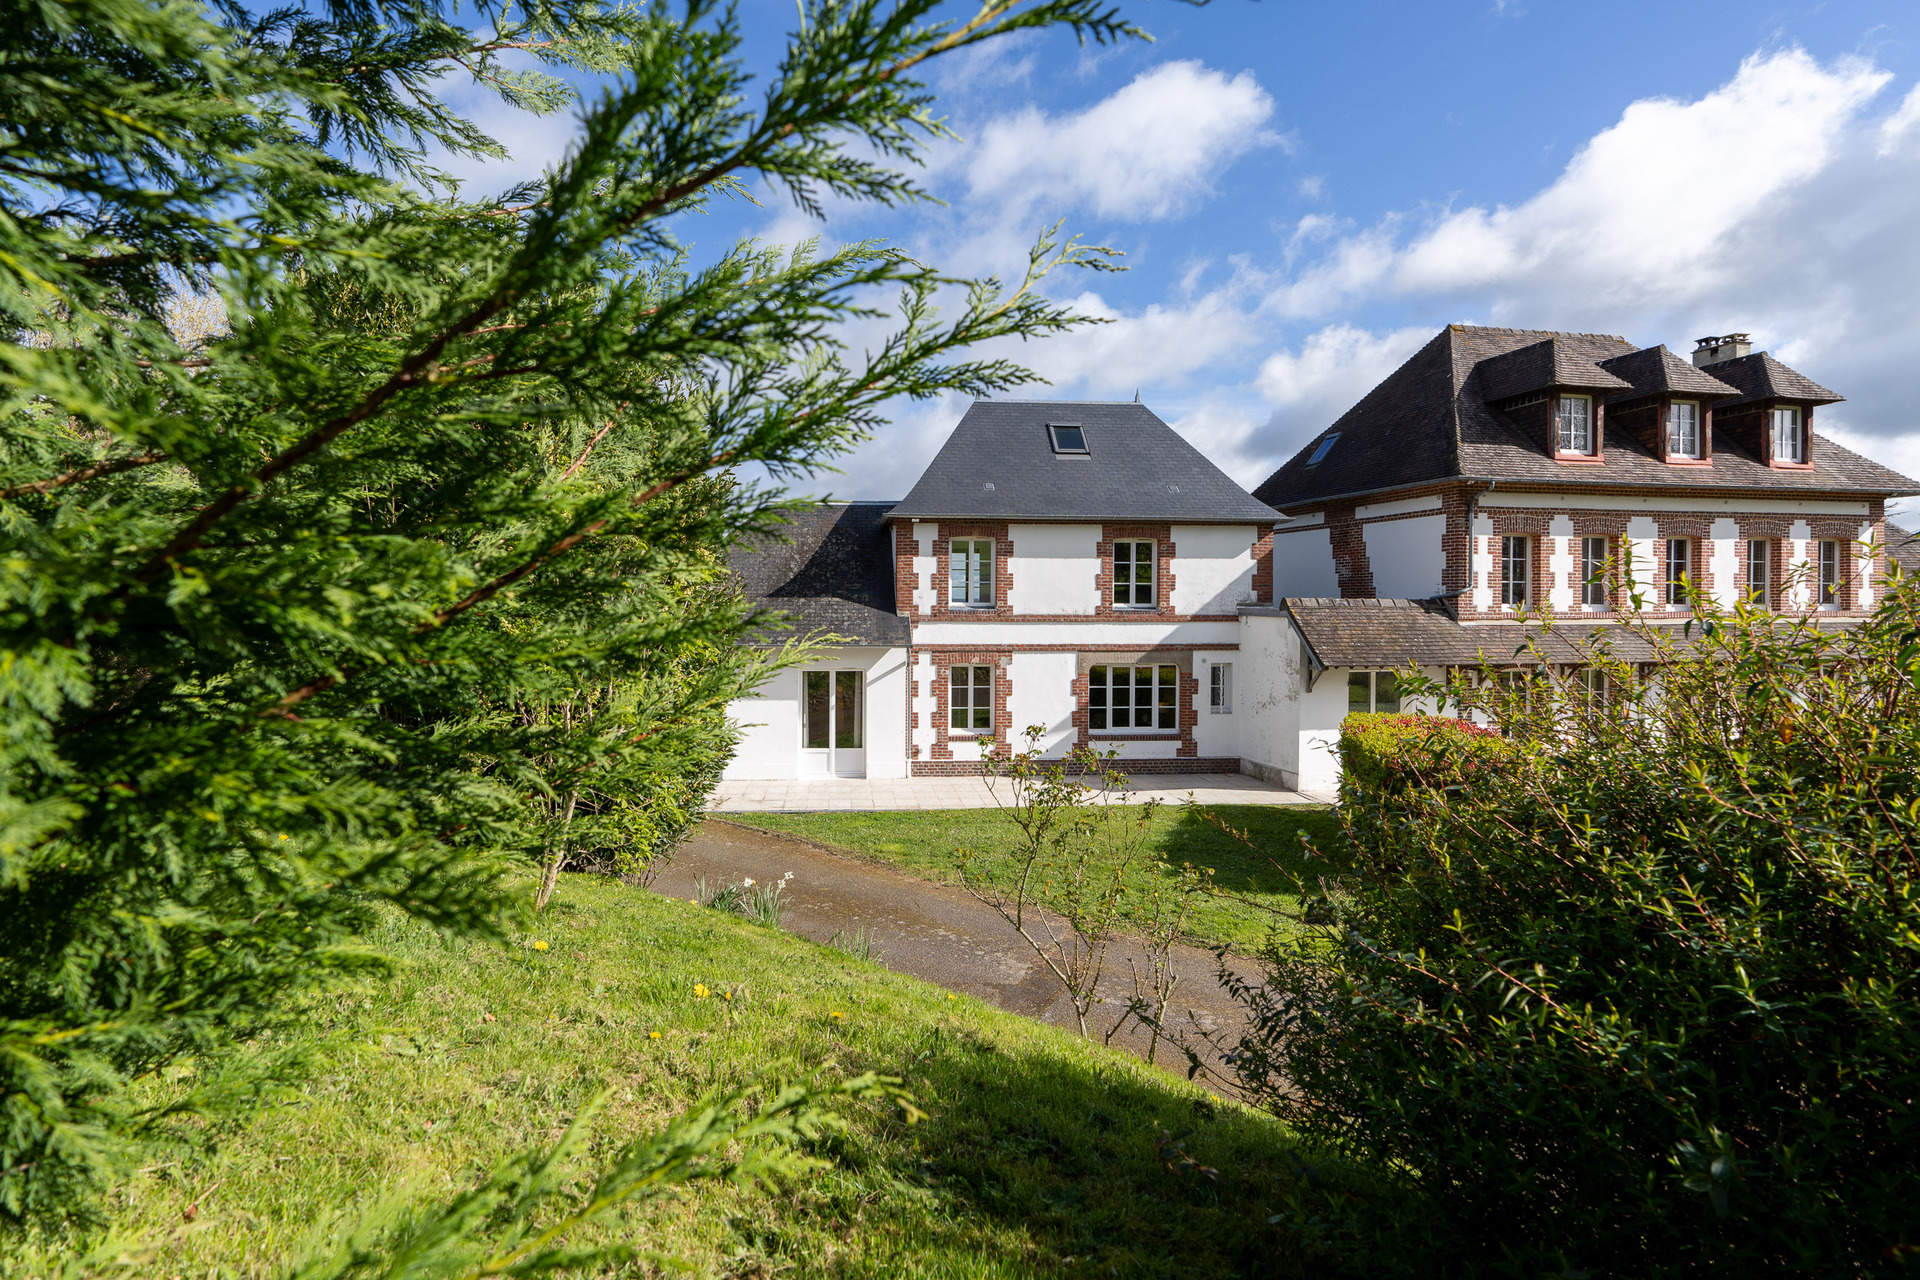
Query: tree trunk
x,y
550,874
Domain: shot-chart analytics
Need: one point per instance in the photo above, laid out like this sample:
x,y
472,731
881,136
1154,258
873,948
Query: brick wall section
x,y
1455,543
1263,568
1349,553
1162,537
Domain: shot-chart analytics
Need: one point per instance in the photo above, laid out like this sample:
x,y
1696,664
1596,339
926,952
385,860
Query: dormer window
x,y
1573,421
1683,429
1322,449
1068,438
1789,441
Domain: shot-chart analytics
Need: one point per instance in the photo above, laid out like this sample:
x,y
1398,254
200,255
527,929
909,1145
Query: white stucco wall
x,y
926,703
769,719
1041,692
1800,570
1303,563
924,563
1563,566
1724,576
1481,549
1408,557
1212,568
1267,669
1055,568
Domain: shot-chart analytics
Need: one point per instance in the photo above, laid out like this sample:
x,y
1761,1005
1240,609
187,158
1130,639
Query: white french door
x,y
833,718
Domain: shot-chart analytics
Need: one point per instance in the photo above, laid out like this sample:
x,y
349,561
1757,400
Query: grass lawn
x,y
1040,1155
1251,881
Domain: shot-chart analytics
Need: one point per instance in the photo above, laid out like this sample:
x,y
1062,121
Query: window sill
x,y
1579,459
1136,608
1135,734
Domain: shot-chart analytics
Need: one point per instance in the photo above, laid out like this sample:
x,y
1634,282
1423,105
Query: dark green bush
x,y
1645,999
1387,751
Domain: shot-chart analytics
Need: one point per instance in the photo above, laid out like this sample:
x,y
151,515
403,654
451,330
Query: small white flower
x,y
747,883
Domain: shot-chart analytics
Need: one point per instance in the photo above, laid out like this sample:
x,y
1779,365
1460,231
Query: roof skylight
x,y
1321,451
1067,437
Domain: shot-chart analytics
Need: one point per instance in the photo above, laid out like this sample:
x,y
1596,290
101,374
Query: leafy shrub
x,y
1386,751
1642,1000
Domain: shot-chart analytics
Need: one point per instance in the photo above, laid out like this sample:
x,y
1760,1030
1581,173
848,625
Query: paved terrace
x,y
815,794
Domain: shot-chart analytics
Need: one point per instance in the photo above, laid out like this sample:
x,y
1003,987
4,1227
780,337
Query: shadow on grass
x,y
1275,857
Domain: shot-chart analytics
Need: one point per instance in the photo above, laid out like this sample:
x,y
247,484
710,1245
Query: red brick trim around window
x,y
944,660
1161,535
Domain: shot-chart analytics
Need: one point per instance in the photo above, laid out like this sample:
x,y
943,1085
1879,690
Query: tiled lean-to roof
x,y
1392,633
830,567
1000,464
1433,419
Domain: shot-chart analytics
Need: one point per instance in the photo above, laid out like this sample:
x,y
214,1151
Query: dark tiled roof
x,y
1556,362
831,568
1656,371
1429,421
1761,377
1391,633
999,464
1903,547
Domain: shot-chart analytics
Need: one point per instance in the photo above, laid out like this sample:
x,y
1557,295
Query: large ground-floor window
x,y
1133,697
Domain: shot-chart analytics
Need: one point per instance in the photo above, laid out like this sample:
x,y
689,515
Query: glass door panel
x,y
817,710
847,719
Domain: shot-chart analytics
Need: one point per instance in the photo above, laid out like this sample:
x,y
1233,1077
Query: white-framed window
x,y
1679,569
970,698
1829,575
1133,697
1760,573
1788,441
1516,567
1133,575
1573,420
1593,686
970,573
1593,572
1369,691
1683,429
1220,689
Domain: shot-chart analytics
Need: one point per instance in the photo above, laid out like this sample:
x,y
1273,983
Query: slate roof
x,y
1389,633
1430,420
1656,371
999,464
1761,377
831,568
1903,548
1555,362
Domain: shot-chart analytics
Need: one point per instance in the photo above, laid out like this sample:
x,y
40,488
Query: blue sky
x,y
1306,193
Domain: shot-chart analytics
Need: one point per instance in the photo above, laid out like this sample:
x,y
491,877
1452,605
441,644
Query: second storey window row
x,y
1133,574
970,573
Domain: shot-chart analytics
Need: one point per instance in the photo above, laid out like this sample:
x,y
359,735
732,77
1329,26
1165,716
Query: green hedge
x,y
1387,751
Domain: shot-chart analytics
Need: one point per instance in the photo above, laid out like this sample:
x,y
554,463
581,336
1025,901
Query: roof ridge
x,y
1547,333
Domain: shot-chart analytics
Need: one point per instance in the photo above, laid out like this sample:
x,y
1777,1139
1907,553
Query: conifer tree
x,y
335,603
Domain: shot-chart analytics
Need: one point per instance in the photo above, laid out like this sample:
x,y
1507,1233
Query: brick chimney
x,y
1730,346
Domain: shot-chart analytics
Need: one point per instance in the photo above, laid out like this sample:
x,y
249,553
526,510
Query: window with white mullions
x,y
1679,569
970,573
1516,569
1220,689
1788,440
1573,420
1593,572
1133,574
1683,429
1593,686
1760,573
1133,697
970,698
1830,575
1373,691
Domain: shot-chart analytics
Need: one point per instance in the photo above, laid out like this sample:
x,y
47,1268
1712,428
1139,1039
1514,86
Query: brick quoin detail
x,y
1161,535
1349,554
1263,568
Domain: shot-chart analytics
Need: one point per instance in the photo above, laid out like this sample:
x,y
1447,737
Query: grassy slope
x,y
1039,1157
1251,880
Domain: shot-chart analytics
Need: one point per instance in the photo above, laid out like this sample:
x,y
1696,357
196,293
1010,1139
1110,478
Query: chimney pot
x,y
1729,346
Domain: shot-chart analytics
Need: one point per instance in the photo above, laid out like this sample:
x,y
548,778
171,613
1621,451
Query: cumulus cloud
x,y
1149,151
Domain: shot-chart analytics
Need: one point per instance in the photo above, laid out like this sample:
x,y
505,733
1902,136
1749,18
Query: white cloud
x,y
1332,369
1148,151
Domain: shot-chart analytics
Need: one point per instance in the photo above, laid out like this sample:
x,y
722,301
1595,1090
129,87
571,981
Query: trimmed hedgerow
x,y
1644,999
1388,751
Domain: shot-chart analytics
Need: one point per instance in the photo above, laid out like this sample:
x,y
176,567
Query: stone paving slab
x,y
856,794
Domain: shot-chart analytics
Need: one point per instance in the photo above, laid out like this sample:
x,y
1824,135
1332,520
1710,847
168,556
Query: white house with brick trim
x,y
1080,567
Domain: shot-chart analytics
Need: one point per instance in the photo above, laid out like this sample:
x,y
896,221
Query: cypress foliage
x,y
361,540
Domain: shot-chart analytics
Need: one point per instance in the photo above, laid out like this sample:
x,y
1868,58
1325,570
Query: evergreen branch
x,y
86,473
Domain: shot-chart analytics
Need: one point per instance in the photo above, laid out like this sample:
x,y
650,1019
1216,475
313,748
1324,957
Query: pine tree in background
x,y
347,589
